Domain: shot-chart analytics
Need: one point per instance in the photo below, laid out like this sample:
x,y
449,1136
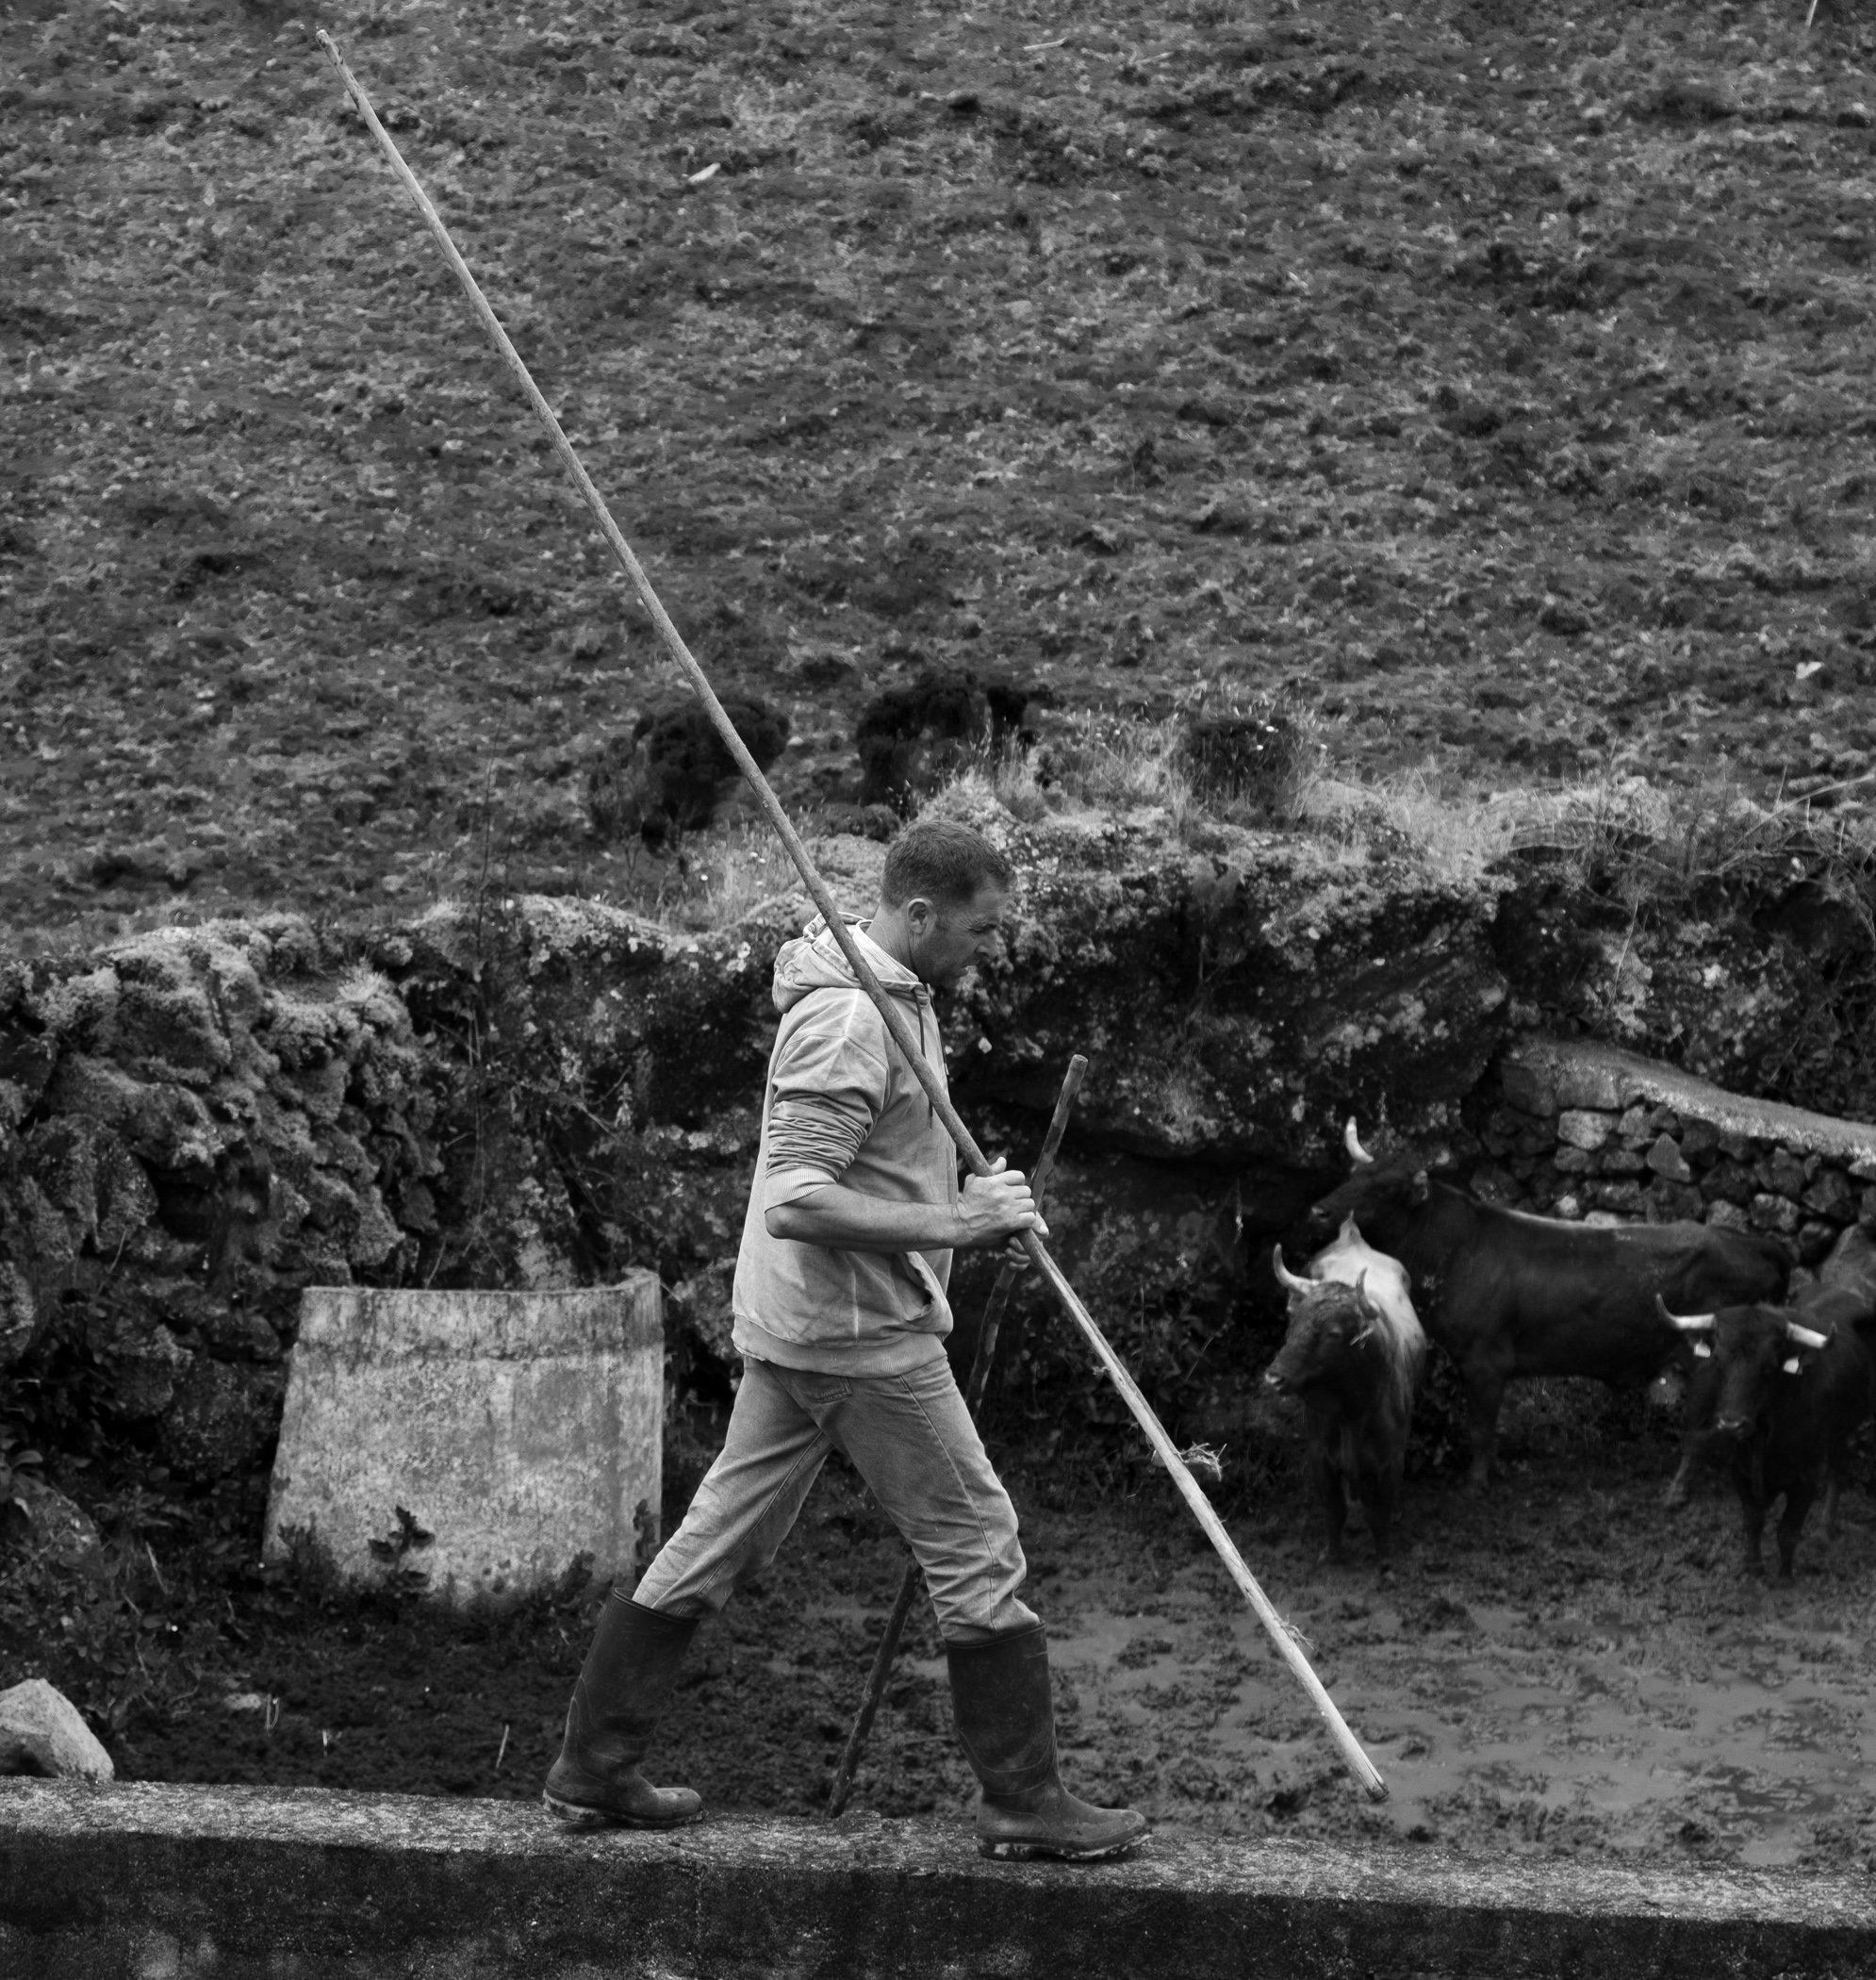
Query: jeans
x,y
909,1437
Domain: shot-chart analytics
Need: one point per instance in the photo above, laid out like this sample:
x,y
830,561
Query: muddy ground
x,y
1489,384
1562,1668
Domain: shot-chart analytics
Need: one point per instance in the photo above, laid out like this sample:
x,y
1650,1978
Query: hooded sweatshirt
x,y
842,1106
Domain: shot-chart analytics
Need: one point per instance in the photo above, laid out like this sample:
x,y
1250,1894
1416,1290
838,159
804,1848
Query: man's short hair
x,y
944,861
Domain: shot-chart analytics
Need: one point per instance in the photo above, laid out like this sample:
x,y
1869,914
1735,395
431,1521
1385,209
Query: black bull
x,y
1509,1295
1787,1387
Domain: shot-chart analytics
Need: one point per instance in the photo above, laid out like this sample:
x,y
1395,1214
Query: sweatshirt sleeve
x,y
830,1087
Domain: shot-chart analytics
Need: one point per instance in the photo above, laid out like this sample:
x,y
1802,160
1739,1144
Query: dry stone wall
x,y
200,1123
1583,1130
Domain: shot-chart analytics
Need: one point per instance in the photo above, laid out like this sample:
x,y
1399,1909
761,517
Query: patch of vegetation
x,y
1486,389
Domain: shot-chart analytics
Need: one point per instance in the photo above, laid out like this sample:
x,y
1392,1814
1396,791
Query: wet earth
x,y
1560,1668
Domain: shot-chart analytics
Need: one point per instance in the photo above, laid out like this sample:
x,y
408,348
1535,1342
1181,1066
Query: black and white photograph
x,y
937,990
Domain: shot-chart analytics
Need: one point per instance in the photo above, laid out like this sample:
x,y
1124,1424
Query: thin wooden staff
x,y
1281,1634
978,1382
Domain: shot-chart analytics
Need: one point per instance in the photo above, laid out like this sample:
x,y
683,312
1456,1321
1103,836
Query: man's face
x,y
949,939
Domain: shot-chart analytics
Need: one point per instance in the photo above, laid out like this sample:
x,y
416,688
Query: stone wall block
x,y
1595,1087
1830,1195
1699,1140
1569,1207
1624,1197
1633,1125
1491,1184
1770,1213
1782,1172
1528,1086
1736,1147
144,1362
1730,1181
1866,1208
1583,1128
1669,1202
223,1419
1725,1215
1614,1160
1864,1169
1572,1161
1665,1159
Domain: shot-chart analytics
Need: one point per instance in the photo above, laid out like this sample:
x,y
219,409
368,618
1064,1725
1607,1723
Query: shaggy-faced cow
x,y
1352,1356
1791,1386
1508,1295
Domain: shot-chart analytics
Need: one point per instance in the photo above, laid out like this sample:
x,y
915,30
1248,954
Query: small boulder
x,y
51,1523
40,1733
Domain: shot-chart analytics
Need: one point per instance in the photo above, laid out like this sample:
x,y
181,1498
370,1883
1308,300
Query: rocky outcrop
x,y
193,1127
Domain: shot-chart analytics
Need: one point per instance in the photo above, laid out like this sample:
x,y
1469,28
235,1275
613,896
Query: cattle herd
x,y
1776,1389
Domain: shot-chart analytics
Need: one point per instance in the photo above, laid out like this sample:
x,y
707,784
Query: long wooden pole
x,y
977,1383
1357,1760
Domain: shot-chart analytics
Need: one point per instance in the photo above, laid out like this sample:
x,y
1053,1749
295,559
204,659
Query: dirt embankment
x,y
1495,388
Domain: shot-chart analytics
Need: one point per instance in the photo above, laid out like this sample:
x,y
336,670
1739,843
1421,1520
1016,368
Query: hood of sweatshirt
x,y
812,960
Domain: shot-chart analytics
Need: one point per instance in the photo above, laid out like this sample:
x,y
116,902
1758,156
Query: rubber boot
x,y
622,1687
1006,1721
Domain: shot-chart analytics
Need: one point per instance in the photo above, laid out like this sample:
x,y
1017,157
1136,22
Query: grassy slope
x,y
1494,379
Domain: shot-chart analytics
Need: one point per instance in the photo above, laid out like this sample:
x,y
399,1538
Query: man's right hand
x,y
996,1206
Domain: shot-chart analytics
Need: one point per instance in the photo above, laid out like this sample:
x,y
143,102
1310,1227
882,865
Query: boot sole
x,y
1026,1852
572,1815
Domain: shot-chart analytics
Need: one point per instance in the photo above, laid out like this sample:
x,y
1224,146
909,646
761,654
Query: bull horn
x,y
1285,1277
1687,1323
1804,1337
1352,1142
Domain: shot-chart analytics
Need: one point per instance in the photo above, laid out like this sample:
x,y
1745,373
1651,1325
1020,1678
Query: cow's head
x,y
1757,1351
1383,1197
1328,1323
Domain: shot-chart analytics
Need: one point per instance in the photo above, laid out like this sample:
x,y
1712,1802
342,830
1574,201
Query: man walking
x,y
841,1318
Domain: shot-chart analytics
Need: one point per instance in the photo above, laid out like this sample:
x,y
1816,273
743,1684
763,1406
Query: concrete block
x,y
306,1884
518,1429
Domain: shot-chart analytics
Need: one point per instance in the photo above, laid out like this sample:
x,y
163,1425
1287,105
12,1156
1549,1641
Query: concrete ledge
x,y
162,1882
